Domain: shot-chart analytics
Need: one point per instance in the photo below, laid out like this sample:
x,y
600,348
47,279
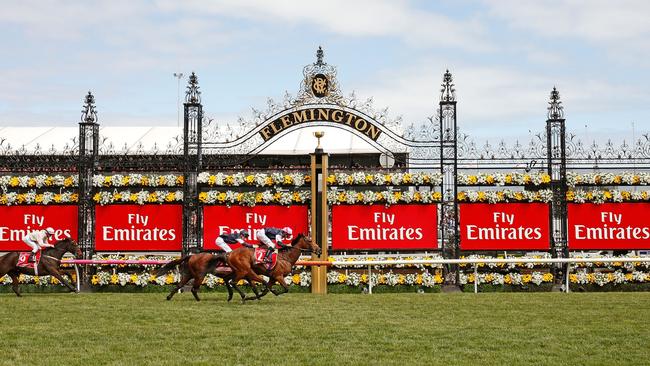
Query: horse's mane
x,y
298,237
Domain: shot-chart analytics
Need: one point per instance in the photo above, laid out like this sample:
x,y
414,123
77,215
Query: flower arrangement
x,y
139,197
253,198
253,180
602,196
33,198
544,195
513,278
582,277
38,181
385,179
608,179
507,266
335,197
149,180
41,281
503,179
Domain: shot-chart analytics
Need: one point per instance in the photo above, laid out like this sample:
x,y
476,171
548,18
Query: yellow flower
x,y
417,197
258,197
212,180
179,180
526,278
162,180
438,278
331,179
481,196
94,280
114,279
570,196
250,179
126,180
369,178
221,197
170,197
489,179
296,197
342,278
288,179
472,179
462,196
49,180
133,278
436,196
67,182
295,279
133,197
546,178
74,197
31,182
268,181
169,279
508,179
38,198
107,180
117,196
230,180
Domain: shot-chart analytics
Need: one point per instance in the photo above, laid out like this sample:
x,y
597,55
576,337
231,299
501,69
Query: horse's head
x,y
303,242
70,246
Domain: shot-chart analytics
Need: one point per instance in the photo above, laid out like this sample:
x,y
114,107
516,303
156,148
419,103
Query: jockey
x,y
233,238
37,240
264,235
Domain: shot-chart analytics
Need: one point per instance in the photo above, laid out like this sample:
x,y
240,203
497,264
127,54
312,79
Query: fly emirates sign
x,y
380,227
18,221
139,227
219,220
506,226
609,226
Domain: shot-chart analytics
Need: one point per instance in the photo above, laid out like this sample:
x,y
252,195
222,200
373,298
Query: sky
x,y
505,57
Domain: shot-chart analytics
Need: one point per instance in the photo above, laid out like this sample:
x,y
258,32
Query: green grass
x,y
337,329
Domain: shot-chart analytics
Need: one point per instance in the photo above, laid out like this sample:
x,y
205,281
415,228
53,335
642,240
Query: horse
x,y
196,266
243,263
48,265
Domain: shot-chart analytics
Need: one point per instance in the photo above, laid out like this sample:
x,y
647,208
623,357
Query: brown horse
x,y
48,265
243,263
197,266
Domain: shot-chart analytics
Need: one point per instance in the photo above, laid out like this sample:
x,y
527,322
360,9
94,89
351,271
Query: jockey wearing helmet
x,y
37,240
265,235
233,238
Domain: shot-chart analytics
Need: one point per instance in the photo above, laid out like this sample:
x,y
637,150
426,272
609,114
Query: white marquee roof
x,y
133,140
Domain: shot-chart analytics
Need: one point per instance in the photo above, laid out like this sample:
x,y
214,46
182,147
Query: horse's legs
x,y
233,283
226,280
253,277
198,281
55,272
186,277
14,282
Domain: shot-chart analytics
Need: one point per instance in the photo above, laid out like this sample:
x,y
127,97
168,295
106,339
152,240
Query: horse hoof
x,y
169,298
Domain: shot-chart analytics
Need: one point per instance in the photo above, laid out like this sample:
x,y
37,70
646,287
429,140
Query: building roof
x,y
148,140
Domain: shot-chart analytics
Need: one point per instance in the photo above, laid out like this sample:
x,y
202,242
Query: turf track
x,y
350,329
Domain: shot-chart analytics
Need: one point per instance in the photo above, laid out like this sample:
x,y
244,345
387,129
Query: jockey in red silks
x,y
38,240
264,235
237,237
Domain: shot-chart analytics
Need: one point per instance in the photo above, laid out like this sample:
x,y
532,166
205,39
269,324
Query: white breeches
x,y
261,236
223,245
35,247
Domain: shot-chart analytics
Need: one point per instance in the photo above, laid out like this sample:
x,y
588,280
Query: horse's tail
x,y
168,267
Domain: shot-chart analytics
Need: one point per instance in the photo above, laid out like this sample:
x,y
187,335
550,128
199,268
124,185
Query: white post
x,y
476,278
370,279
77,279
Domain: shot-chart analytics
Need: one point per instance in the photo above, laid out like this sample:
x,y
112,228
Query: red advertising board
x,y
504,226
18,221
609,226
377,227
139,228
219,220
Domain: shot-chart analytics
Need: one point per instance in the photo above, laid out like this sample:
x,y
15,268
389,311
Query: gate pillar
x,y
556,165
192,154
88,146
448,168
319,215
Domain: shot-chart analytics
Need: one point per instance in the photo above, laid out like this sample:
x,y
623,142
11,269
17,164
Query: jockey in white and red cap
x,y
38,240
264,236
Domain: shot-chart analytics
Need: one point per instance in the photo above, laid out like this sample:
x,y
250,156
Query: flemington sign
x,y
341,116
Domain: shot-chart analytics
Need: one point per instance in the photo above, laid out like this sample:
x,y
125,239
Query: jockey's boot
x,y
267,256
32,257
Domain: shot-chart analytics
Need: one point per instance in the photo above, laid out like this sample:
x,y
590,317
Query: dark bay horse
x,y
49,264
243,263
197,266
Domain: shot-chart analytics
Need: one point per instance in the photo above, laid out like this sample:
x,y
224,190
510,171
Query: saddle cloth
x,y
259,258
23,260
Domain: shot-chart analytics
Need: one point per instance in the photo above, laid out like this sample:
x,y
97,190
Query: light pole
x,y
178,98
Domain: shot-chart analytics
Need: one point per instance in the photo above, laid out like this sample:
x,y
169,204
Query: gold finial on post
x,y
319,135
